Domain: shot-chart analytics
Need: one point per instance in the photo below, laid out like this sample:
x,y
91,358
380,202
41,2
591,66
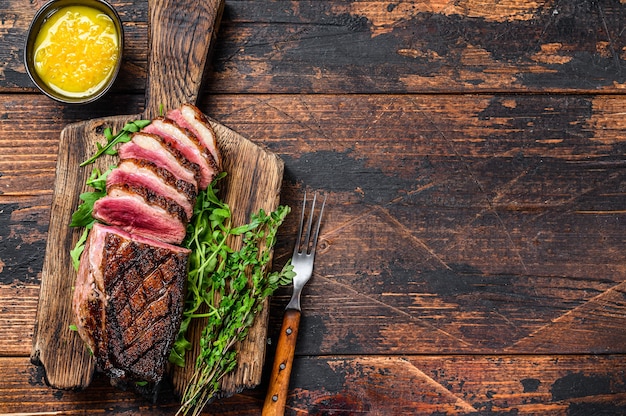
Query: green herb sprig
x,y
123,136
82,216
227,288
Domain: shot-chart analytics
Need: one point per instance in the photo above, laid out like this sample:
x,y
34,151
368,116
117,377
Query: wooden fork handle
x,y
281,371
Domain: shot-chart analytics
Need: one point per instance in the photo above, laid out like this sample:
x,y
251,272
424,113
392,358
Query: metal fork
x,y
302,260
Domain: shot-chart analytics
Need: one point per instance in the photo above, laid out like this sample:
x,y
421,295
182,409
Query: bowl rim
x,y
40,17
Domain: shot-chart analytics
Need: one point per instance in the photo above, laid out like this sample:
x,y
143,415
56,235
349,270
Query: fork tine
x,y
307,237
306,245
317,227
297,246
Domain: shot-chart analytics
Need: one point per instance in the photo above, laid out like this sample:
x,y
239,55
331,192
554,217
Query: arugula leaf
x,y
123,136
97,180
76,252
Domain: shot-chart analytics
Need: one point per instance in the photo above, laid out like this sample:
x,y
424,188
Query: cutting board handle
x,y
180,37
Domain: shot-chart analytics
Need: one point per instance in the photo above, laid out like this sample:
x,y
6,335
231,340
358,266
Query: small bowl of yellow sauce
x,y
74,49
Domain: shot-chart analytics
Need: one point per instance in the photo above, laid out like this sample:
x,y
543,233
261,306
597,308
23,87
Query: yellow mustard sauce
x,y
76,51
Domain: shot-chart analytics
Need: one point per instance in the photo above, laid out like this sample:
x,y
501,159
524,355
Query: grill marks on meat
x,y
128,299
145,288
128,296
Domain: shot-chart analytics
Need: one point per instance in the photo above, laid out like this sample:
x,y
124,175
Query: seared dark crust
x,y
144,286
182,160
184,187
152,198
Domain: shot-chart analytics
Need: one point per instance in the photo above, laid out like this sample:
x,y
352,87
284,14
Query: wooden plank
x,y
23,390
23,229
382,47
419,385
469,131
511,208
459,385
18,305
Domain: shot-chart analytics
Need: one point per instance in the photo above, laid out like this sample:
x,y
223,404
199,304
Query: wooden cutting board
x,y
180,37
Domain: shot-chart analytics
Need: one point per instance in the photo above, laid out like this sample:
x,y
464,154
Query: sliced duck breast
x,y
128,302
137,210
188,144
191,118
153,148
137,172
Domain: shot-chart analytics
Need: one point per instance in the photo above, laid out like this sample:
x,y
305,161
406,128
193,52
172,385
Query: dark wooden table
x,y
473,257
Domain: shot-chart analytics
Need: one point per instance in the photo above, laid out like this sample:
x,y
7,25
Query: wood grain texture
x,y
18,306
472,260
180,38
459,385
383,47
390,385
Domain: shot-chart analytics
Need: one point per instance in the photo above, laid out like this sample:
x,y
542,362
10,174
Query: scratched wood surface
x,y
473,256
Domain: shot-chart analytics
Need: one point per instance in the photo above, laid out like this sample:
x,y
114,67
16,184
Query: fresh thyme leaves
x,y
123,136
227,288
82,216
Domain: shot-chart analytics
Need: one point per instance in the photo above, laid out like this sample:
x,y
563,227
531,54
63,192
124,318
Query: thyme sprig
x,y
226,287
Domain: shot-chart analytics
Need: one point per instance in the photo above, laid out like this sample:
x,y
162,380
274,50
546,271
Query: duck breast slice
x,y
191,118
137,210
137,172
187,143
153,148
